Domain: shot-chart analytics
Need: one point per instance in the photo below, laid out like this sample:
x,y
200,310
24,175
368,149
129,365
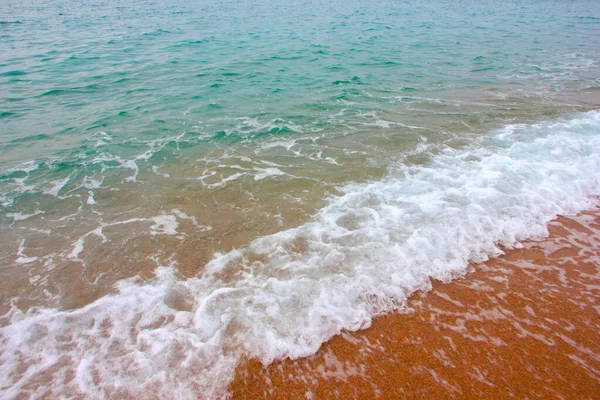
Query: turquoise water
x,y
252,177
242,71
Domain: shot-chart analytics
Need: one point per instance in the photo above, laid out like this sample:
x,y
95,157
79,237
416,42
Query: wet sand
x,y
525,325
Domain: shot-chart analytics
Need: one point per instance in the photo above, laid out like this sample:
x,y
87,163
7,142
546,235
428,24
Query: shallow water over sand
x,y
186,186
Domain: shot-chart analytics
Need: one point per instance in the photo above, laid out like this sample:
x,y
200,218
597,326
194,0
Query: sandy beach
x,y
524,325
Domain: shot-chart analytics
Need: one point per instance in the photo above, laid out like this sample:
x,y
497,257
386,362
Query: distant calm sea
x,y
186,183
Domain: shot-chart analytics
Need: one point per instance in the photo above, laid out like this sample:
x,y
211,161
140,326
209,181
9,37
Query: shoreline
x,y
523,324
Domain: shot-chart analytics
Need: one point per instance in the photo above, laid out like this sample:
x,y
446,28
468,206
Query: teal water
x,y
155,156
241,71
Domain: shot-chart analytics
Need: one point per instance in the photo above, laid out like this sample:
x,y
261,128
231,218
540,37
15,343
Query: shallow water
x,y
525,323
186,184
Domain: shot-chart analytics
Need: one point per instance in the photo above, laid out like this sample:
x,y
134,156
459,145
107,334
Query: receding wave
x,y
284,294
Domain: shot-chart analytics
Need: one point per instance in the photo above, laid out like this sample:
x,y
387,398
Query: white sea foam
x,y
21,217
155,169
267,172
56,187
182,215
131,164
19,183
270,164
285,144
22,258
127,164
78,247
90,200
223,181
284,294
91,183
164,225
102,138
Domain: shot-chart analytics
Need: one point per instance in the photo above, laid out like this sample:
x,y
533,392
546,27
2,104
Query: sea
x,y
186,185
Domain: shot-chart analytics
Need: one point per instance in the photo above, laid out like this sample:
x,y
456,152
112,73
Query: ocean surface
x,y
187,184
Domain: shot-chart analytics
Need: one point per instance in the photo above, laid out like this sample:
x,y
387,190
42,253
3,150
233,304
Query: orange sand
x,y
525,325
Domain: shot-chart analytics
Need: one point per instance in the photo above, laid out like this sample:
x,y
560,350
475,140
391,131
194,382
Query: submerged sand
x,y
524,325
